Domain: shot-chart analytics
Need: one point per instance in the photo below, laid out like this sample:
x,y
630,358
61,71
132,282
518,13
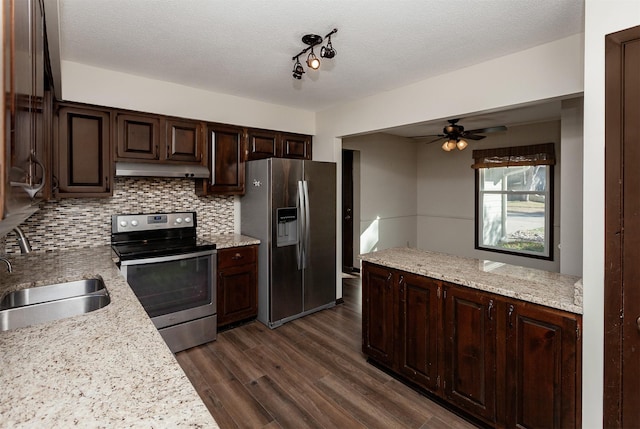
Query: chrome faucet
x,y
23,241
9,268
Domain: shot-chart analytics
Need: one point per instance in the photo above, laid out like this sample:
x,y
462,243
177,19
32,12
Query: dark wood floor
x,y
307,373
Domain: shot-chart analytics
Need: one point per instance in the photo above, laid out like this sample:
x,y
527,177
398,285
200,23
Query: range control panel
x,y
152,222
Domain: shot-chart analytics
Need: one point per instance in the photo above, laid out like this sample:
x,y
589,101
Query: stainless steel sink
x,y
52,302
51,292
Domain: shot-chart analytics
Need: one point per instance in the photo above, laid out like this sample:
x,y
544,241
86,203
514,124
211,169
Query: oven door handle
x,y
178,257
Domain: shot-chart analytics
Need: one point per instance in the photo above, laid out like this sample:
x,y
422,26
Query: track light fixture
x,y
313,61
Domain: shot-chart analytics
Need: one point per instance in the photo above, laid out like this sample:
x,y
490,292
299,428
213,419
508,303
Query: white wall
x,y
446,195
544,72
86,84
601,17
387,191
571,172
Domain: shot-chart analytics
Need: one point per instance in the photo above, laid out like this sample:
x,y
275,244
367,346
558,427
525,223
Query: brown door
x,y
347,211
622,230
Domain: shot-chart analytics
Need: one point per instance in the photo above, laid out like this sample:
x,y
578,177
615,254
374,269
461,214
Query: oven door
x,y
174,289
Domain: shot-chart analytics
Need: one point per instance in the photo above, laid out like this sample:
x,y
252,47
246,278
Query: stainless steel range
x,y
172,273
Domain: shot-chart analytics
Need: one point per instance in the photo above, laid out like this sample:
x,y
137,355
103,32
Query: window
x,y
514,200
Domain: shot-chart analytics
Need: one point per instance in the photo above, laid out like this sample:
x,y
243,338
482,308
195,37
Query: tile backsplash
x,y
86,222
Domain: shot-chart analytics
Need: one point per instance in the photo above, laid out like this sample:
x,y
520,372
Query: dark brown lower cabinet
x,y
543,368
470,351
237,285
418,329
378,314
505,362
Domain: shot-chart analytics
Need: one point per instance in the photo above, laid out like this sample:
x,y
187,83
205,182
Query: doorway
x,y
350,211
622,230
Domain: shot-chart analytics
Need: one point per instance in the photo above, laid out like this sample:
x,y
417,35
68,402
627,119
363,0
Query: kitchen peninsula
x,y
499,342
106,368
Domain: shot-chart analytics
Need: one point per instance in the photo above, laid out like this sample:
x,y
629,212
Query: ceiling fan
x,y
456,136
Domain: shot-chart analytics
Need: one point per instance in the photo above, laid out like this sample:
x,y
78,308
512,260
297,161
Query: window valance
x,y
539,154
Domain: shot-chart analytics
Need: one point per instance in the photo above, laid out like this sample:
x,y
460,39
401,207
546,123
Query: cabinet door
x,y
83,147
138,136
226,163
377,313
296,146
237,287
543,368
418,323
262,144
470,351
184,140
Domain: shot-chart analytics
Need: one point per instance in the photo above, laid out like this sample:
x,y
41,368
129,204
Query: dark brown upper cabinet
x,y
295,146
226,145
274,144
138,136
262,144
149,137
184,140
82,161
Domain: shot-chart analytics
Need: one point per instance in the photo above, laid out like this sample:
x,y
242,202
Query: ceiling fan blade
x,y
435,140
488,130
472,137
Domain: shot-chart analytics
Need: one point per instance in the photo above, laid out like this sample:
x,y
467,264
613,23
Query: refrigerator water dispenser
x,y
287,226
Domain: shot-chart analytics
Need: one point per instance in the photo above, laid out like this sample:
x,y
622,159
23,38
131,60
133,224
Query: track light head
x,y
298,71
313,61
328,51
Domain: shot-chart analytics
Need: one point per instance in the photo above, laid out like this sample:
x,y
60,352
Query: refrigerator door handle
x,y
301,228
307,225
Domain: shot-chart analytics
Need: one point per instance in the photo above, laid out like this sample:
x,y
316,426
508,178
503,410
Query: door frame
x,y
614,286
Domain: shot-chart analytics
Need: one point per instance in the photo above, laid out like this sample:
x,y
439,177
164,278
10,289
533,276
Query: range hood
x,y
141,169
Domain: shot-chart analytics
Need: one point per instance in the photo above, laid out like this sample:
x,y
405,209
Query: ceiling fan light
x,y
445,146
461,144
451,144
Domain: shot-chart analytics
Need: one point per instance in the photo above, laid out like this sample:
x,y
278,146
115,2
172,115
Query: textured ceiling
x,y
244,47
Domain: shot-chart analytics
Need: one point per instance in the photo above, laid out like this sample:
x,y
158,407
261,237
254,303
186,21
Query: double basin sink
x,y
52,302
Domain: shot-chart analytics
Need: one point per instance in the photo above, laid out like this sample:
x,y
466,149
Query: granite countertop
x,y
550,289
224,241
107,368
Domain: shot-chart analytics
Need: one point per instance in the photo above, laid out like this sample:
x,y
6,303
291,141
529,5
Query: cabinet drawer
x,y
236,256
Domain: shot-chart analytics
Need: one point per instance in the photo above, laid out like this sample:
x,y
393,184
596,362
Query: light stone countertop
x,y
550,289
224,241
107,368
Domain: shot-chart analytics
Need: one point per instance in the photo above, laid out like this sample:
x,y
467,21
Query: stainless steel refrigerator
x,y
290,205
